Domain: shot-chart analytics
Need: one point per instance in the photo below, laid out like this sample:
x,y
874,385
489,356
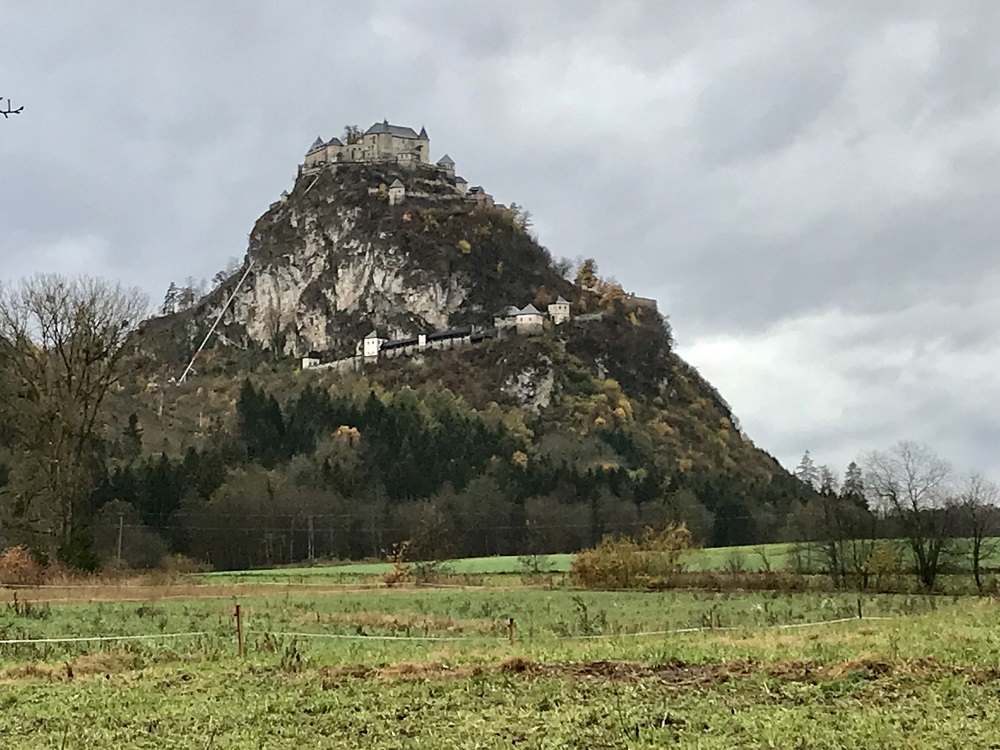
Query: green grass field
x,y
702,559
583,671
749,558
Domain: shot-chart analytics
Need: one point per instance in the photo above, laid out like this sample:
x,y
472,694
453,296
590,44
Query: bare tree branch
x,y
9,109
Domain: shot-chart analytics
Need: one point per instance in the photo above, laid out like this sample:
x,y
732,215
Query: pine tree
x,y
132,439
854,484
806,471
170,299
827,480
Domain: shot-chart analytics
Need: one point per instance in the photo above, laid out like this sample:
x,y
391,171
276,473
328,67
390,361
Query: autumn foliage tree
x,y
633,562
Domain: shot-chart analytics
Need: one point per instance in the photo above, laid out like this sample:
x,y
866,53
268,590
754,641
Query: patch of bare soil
x,y
81,594
672,673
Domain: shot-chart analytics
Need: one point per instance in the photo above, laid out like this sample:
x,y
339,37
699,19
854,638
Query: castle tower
x,y
559,311
447,164
397,192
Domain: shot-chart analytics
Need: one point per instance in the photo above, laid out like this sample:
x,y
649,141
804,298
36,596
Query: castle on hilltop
x,y
395,144
381,142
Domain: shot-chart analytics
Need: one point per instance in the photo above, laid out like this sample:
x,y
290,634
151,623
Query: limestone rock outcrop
x,y
333,259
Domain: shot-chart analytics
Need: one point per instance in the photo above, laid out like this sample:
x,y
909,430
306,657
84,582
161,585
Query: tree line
x,y
320,473
903,499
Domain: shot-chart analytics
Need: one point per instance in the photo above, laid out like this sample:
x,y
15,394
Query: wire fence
x,y
101,638
429,638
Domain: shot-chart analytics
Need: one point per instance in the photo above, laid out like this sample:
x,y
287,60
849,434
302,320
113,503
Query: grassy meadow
x,y
435,668
750,558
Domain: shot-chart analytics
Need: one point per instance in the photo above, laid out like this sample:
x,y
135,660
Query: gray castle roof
x,y
446,161
397,183
318,143
397,130
560,300
335,141
530,309
461,179
372,335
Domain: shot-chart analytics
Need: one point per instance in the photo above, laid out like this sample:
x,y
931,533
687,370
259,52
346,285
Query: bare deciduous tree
x,y
978,504
352,134
911,482
63,346
233,265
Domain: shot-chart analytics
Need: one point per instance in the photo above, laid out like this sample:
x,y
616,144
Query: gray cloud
x,y
808,188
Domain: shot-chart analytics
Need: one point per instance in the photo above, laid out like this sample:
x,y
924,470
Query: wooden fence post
x,y
511,627
238,614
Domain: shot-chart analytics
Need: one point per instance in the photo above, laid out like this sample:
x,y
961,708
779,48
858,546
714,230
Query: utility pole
x,y
121,534
312,540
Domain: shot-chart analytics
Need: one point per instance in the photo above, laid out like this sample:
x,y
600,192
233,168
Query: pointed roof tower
x,y
423,132
446,161
318,143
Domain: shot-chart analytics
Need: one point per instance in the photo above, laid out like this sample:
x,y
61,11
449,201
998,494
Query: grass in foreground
x,y
927,678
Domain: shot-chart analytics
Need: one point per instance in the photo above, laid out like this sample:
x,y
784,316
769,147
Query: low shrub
x,y
401,571
19,567
183,565
625,562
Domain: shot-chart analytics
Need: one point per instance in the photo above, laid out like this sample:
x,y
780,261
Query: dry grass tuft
x,y
82,666
517,665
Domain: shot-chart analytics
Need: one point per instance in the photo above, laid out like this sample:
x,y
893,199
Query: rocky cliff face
x,y
334,259
602,395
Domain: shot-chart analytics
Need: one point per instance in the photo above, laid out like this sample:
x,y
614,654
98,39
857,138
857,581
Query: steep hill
x,y
591,426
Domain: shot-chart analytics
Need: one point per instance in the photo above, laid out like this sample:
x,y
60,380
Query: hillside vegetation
x,y
522,444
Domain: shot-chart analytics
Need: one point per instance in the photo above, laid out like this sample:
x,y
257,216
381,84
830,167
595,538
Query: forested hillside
x,y
458,453
540,443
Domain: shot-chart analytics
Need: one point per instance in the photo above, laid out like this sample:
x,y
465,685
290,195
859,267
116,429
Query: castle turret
x,y
397,192
446,163
316,154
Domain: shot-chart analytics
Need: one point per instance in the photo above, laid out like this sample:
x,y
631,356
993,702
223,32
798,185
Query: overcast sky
x,y
811,190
